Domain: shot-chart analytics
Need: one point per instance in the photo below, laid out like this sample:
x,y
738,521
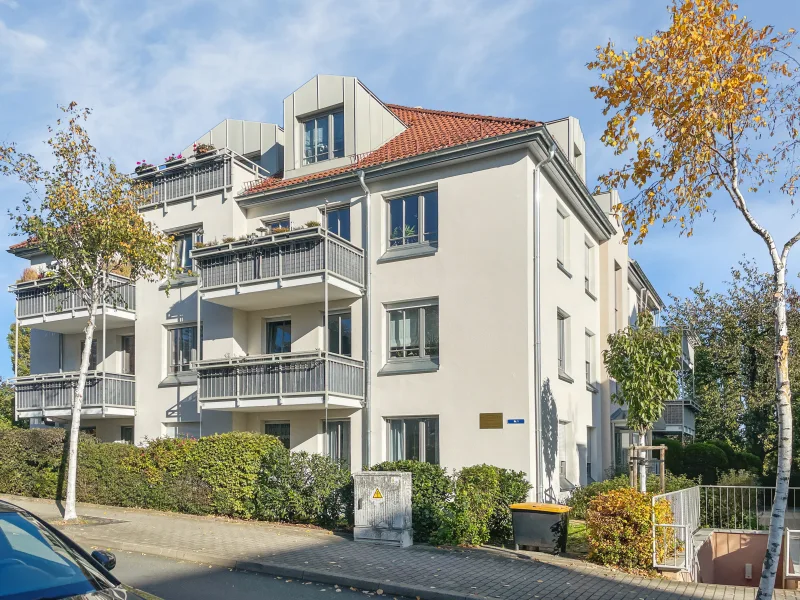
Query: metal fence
x,y
276,375
277,256
672,541
57,390
44,297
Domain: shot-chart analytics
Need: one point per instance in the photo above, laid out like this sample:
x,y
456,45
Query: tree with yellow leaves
x,y
721,99
84,214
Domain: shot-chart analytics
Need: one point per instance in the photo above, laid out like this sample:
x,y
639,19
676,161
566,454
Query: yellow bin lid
x,y
541,507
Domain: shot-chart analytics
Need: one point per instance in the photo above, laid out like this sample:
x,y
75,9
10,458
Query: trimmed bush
x,y
30,461
430,490
704,460
619,529
465,520
513,488
674,454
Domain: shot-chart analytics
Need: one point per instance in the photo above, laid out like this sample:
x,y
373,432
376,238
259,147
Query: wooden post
x,y
633,459
663,468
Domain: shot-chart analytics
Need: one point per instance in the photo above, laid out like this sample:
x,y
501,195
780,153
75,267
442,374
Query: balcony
x,y
50,395
187,178
282,269
42,304
292,381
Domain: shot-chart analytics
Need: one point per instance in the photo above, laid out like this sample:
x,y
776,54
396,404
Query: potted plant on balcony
x,y
310,224
173,159
142,166
203,149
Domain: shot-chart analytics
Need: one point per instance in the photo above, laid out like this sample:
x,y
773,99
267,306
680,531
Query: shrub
x,y
430,490
619,528
674,454
738,478
703,460
465,520
29,274
747,462
30,461
312,223
725,446
513,488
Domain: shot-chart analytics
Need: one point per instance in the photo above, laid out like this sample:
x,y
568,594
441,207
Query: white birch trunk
x,y
643,462
784,409
75,426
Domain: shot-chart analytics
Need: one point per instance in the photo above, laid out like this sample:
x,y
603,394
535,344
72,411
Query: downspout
x,y
366,318
537,320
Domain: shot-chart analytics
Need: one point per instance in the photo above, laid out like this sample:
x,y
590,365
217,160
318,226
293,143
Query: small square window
x,y
414,332
414,439
414,219
323,137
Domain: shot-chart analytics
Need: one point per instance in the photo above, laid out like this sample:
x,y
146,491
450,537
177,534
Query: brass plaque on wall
x,y
491,420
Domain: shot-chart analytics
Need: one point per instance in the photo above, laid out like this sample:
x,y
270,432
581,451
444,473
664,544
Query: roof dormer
x,y
262,143
329,121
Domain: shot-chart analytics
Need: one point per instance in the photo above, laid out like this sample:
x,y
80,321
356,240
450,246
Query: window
x,y
414,332
414,219
340,334
182,243
589,451
339,222
617,294
337,441
414,439
563,465
280,429
588,277
323,138
276,225
128,355
563,342
562,237
182,348
126,434
279,337
92,355
589,358
185,430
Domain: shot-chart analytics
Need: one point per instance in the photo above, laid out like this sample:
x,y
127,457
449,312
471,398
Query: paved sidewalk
x,y
422,571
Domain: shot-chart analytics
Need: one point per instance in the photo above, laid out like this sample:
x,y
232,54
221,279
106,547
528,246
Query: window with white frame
x,y
323,137
182,244
340,333
414,219
128,354
281,430
182,348
414,439
413,330
588,276
563,458
339,221
276,224
562,238
337,441
563,341
589,354
589,452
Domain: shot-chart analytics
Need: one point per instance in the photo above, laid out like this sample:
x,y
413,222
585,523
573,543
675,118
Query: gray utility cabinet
x,y
383,507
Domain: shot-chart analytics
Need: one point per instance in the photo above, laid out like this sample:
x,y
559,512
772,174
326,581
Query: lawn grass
x,y
577,542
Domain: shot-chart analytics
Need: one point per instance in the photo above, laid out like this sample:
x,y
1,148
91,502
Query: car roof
x,y
8,507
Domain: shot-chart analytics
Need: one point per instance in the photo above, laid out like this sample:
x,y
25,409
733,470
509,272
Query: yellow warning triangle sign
x,y
377,495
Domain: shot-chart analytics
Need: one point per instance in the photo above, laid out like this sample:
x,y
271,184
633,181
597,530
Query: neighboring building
x,y
368,289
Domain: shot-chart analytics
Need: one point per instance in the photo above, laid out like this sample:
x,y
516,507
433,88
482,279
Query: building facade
x,y
370,281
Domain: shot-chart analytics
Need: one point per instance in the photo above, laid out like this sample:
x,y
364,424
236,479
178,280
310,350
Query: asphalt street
x,y
180,580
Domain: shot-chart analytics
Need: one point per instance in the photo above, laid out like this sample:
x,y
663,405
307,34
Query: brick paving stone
x,y
424,570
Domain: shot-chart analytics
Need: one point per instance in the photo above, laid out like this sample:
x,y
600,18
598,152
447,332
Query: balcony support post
x,y
105,286
325,327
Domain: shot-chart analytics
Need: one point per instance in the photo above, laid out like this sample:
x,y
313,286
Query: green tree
x,y
644,361
84,213
24,367
720,97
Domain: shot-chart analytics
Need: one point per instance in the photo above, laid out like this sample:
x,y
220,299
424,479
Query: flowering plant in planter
x,y
172,158
200,149
143,166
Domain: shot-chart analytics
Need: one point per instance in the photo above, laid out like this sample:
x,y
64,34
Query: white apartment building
x,y
370,281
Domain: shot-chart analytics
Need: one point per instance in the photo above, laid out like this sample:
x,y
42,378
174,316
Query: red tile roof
x,y
20,245
426,131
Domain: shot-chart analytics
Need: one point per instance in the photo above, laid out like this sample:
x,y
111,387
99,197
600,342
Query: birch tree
x,y
83,212
721,100
644,361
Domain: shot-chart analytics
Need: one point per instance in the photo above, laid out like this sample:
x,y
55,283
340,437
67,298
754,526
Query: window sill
x,y
411,251
177,379
178,282
591,388
590,294
562,375
563,269
408,367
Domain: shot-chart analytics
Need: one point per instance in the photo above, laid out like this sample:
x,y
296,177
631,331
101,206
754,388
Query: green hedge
x,y
704,460
674,455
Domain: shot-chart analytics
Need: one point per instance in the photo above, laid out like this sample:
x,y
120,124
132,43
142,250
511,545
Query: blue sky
x,y
157,74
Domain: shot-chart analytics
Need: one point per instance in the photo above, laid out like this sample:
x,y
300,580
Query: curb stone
x,y
283,570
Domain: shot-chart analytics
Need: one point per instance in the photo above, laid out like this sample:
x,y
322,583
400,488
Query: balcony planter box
x,y
143,169
173,163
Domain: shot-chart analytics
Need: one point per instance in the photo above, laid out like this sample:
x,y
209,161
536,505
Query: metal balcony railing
x,y
191,176
56,391
277,256
43,297
277,375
